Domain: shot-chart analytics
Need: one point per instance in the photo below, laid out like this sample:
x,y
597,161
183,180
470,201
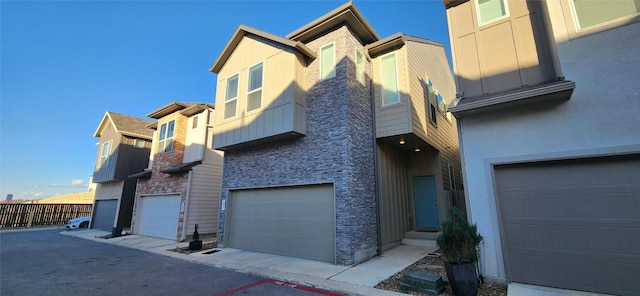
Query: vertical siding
x,y
393,119
130,159
394,199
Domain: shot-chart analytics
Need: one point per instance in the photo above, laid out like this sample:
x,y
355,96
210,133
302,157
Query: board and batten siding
x,y
392,119
504,54
283,103
394,195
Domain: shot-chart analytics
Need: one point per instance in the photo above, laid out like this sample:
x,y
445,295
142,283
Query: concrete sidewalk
x,y
359,279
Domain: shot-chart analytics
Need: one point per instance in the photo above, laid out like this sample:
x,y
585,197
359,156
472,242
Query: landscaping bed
x,y
434,265
185,250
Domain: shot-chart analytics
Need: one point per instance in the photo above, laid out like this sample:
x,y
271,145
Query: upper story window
x,y
360,66
491,10
231,97
138,143
165,143
432,98
254,91
194,122
327,61
105,150
591,13
389,72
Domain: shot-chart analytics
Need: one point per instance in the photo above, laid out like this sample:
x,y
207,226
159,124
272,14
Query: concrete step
x,y
422,235
420,242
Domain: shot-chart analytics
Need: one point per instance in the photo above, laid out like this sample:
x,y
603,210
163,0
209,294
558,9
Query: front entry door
x,y
425,202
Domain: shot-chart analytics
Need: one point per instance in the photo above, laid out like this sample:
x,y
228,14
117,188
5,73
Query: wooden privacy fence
x,y
27,215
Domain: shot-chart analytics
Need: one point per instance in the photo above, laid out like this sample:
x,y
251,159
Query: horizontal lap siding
x,y
430,62
393,119
204,199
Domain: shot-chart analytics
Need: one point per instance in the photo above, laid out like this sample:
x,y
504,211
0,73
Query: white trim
x,y
480,23
333,73
246,105
382,80
106,157
225,101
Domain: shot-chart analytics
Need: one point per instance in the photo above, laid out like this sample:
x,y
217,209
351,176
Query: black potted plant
x,y
195,243
459,242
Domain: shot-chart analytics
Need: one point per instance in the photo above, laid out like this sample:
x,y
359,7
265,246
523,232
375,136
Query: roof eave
x,y
167,109
243,31
98,131
385,45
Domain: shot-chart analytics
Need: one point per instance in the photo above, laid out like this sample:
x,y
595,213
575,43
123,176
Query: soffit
x,y
347,13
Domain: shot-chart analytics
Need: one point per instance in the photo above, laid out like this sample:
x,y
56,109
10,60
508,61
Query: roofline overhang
x,y
561,90
346,13
182,168
394,42
146,174
167,109
96,134
452,3
243,31
195,109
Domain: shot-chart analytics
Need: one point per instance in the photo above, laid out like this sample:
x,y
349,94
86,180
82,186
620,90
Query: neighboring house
x,y
123,149
69,198
548,112
181,186
337,142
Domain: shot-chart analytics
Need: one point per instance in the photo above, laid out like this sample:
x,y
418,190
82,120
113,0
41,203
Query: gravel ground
x,y
435,265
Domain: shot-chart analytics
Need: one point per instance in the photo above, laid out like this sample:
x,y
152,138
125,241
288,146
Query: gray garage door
x,y
291,221
104,214
573,224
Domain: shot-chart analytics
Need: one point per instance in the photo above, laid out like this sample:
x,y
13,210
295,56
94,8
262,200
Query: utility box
x,y
422,282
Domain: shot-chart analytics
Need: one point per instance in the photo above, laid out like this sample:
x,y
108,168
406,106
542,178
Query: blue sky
x,y
63,64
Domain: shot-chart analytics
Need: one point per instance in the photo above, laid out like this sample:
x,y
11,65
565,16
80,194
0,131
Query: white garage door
x,y
573,224
159,216
291,221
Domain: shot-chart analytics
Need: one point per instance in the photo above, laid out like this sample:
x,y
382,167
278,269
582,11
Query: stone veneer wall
x,y
338,149
161,183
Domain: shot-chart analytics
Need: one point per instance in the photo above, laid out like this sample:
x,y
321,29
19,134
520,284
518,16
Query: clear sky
x,y
65,63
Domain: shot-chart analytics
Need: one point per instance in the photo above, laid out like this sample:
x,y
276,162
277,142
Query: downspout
x,y
375,166
183,237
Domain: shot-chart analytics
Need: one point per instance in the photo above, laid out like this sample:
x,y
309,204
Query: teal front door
x,y
426,203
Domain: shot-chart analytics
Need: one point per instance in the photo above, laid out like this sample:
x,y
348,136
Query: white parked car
x,y
80,222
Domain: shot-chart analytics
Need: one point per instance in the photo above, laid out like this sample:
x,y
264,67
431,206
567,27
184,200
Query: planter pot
x,y
116,231
195,245
463,278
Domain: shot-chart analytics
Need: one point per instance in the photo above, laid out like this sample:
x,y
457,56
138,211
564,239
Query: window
x,y
590,13
359,66
138,143
389,80
432,97
491,10
452,178
165,143
231,97
254,91
104,153
441,106
194,123
327,61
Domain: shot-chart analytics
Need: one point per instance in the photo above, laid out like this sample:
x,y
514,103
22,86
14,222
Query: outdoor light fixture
x,y
401,141
417,149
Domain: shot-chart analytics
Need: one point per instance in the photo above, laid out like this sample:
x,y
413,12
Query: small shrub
x,y
459,240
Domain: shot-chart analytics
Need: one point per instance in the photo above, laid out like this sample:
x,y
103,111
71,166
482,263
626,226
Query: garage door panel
x,y
292,221
159,216
569,224
104,214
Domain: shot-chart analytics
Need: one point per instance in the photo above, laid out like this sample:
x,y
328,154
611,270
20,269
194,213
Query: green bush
x,y
459,240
